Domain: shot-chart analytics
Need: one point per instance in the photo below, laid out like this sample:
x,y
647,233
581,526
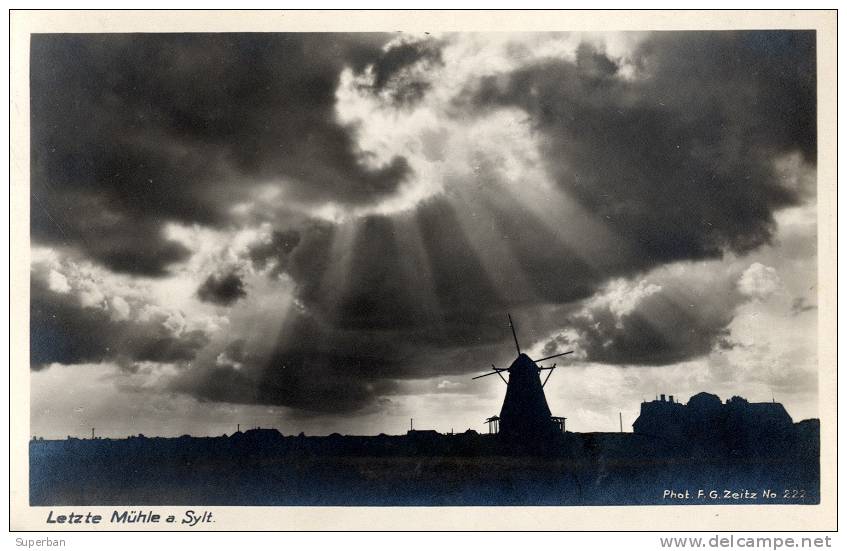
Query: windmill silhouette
x,y
525,416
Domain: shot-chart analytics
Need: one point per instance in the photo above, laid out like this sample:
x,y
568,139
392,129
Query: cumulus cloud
x,y
447,385
759,281
64,331
273,249
120,308
72,325
671,316
57,282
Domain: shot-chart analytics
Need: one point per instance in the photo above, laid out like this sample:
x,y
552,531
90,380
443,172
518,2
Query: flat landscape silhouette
x,y
264,467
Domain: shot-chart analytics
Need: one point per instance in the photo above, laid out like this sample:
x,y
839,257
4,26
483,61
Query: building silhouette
x,y
736,427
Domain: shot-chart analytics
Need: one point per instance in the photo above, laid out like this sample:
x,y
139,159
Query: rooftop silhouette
x,y
708,426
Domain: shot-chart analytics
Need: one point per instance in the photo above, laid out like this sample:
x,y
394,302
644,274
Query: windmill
x,y
525,415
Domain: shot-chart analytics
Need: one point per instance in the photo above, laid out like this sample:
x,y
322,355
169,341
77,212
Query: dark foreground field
x,y
265,468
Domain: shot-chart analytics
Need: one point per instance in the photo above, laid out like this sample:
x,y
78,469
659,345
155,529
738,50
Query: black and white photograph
x,y
424,267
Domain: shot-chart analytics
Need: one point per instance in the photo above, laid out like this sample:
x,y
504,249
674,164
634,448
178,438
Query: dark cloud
x,y
132,131
223,289
679,158
433,289
799,305
125,241
401,70
668,320
660,332
64,331
311,368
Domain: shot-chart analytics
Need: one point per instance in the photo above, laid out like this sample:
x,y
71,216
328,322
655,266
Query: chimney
x,y
670,398
662,396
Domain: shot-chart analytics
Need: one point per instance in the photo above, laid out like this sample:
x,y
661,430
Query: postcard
x,y
395,265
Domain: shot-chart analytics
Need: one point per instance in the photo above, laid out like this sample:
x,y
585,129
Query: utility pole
x,y
620,418
411,423
92,433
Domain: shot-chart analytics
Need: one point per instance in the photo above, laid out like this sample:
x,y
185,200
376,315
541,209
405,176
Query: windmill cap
x,y
523,360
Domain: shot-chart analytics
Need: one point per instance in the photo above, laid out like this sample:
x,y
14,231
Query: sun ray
x,y
335,279
418,270
502,267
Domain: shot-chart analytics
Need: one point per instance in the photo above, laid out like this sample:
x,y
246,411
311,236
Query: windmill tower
x,y
525,416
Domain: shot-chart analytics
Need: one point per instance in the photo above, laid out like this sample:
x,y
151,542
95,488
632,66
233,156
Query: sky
x,y
325,232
